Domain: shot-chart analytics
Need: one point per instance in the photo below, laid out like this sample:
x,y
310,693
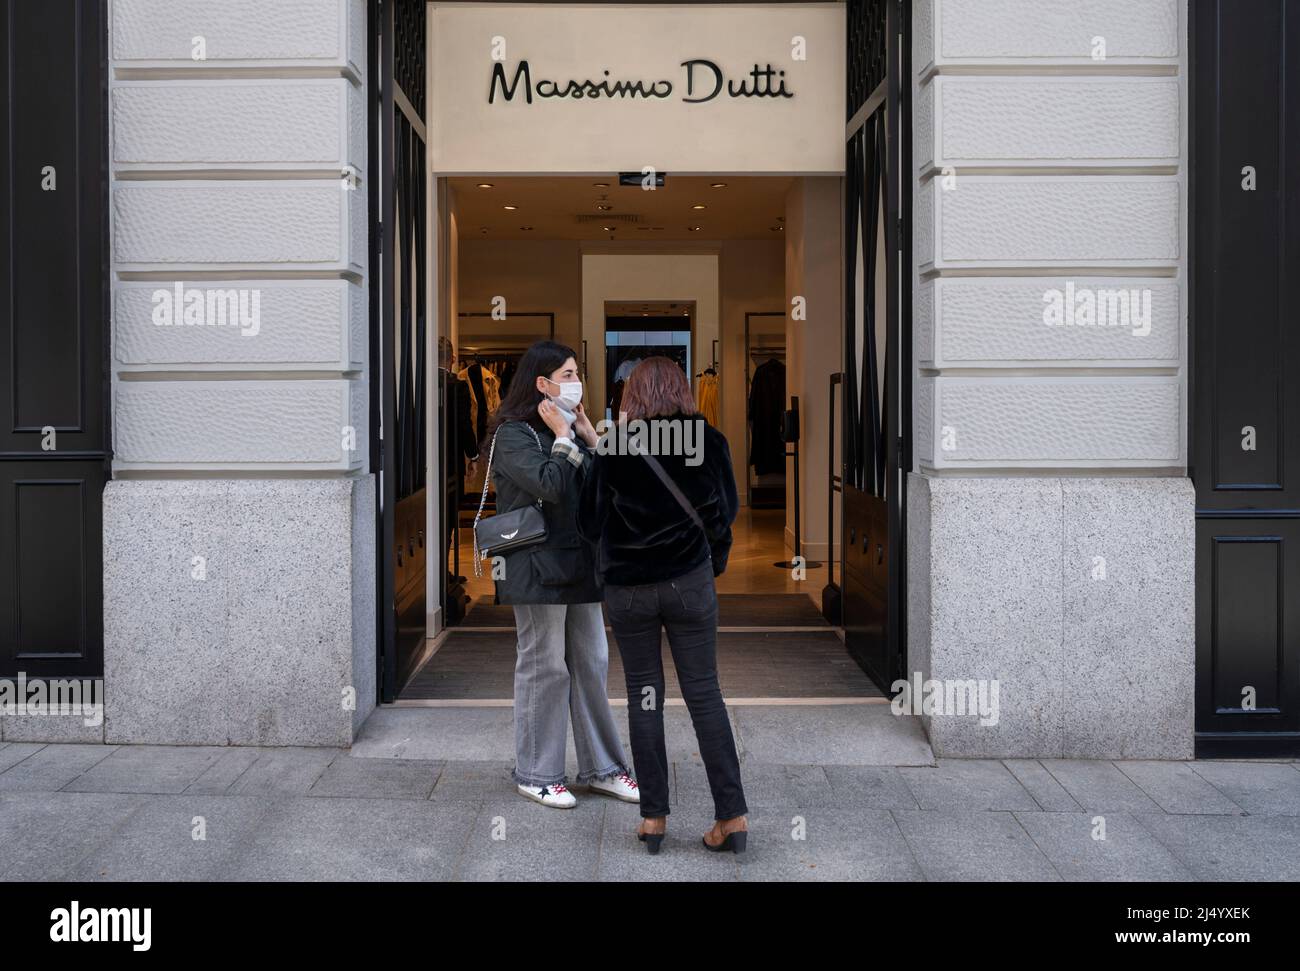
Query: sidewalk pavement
x,y
102,812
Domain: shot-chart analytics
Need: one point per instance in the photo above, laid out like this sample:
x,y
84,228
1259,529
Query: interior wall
x,y
814,347
753,281
547,275
534,276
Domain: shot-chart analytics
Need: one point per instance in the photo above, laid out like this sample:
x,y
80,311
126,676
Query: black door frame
x,y
398,184
879,83
59,467
1235,513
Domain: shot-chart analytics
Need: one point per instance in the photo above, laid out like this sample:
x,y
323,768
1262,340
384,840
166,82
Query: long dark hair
x,y
522,398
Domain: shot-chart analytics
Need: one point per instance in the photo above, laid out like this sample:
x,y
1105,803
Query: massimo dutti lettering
x,y
760,82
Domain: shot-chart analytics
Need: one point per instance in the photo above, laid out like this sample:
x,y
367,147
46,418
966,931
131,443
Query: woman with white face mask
x,y
542,442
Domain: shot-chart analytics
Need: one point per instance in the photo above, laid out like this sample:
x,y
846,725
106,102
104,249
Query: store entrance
x,y
794,328
696,270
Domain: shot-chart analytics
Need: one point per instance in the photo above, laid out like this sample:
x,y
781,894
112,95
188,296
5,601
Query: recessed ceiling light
x,y
699,207
610,229
485,185
776,229
601,185
718,185
604,208
511,208
527,229
694,229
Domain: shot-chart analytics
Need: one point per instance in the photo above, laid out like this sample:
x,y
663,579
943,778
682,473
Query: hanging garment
x,y
766,408
485,395
492,384
706,398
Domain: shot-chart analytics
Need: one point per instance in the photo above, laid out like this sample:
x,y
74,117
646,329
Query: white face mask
x,y
570,395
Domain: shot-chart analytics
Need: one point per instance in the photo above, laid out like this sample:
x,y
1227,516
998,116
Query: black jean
x,y
687,608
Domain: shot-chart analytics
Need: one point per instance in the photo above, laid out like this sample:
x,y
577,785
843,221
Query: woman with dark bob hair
x,y
663,516
539,445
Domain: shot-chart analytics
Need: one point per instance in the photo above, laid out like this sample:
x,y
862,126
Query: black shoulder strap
x,y
668,482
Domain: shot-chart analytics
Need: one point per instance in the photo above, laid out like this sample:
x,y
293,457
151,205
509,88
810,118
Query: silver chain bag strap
x,y
525,526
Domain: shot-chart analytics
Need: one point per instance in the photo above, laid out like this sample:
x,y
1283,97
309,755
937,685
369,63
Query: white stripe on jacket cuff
x,y
565,446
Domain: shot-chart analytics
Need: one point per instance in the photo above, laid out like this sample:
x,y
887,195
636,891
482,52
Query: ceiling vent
x,y
586,219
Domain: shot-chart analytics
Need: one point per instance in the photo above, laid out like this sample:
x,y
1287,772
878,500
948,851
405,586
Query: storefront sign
x,y
762,82
695,88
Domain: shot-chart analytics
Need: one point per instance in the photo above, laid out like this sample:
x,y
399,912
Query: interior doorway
x,y
637,330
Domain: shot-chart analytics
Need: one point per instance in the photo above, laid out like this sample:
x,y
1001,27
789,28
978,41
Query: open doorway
x,y
695,270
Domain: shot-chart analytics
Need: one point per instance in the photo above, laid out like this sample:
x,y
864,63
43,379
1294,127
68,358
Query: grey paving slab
x,y
831,734
1177,788
285,771
148,768
1261,788
679,738
1042,785
15,752
1245,848
53,767
224,772
981,846
1099,787
176,838
353,840
816,844
43,834
438,734
1127,853
377,778
765,786
473,782
681,857
515,839
869,787
967,785
488,735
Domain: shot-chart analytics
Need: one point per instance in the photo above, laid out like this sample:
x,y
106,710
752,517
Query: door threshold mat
x,y
735,610
480,665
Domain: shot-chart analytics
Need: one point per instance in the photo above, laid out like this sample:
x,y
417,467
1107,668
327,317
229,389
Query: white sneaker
x,y
556,795
621,786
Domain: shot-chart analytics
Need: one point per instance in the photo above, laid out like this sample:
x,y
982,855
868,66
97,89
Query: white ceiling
x,y
748,207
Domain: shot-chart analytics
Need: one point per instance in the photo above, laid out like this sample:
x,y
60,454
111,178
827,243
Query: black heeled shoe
x,y
735,842
652,842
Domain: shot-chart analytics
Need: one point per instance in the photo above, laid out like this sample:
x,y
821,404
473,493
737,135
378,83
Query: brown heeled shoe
x,y
734,835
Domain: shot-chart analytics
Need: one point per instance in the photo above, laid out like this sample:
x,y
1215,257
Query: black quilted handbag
x,y
525,526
